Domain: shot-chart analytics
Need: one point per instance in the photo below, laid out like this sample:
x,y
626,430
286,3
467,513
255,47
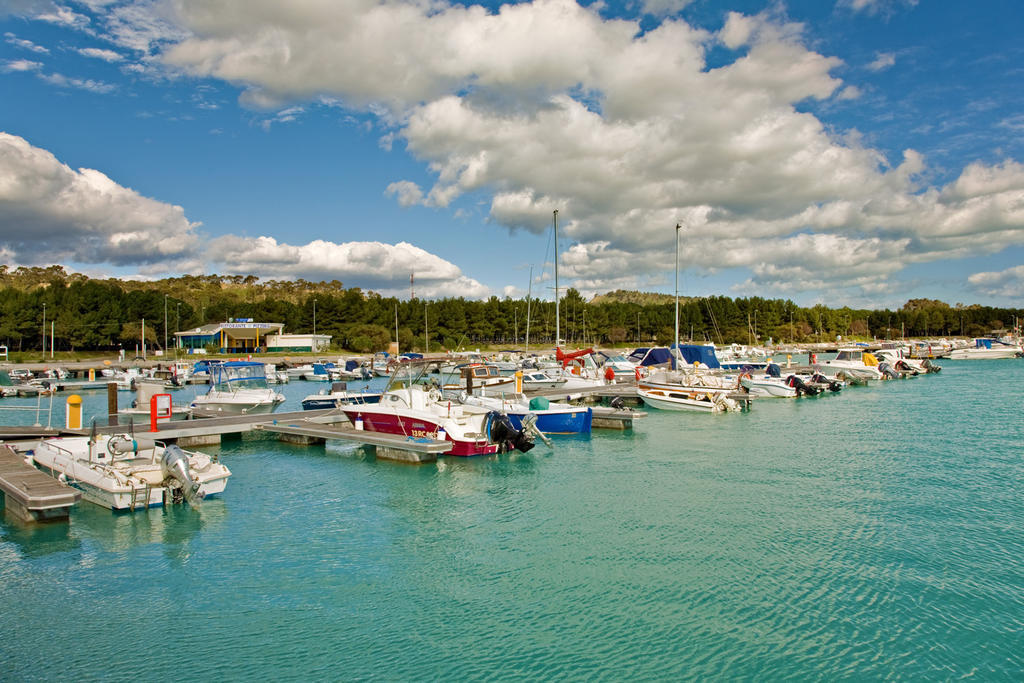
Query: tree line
x,y
107,314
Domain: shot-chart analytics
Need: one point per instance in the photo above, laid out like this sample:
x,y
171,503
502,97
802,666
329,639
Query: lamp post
x,y
44,330
165,324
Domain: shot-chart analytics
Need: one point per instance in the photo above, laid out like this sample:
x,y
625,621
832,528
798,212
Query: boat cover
x,y
692,353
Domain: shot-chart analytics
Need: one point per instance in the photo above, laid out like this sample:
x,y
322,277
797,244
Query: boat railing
x,y
37,409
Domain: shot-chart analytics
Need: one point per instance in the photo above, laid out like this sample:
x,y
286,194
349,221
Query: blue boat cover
x,y
692,353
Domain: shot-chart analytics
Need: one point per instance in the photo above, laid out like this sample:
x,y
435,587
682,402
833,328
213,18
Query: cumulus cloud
x,y
51,213
1007,283
373,265
548,105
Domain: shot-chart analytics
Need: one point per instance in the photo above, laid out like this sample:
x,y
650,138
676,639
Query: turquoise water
x,y
874,534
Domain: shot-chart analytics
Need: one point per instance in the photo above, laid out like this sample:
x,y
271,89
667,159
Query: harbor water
x,y
873,534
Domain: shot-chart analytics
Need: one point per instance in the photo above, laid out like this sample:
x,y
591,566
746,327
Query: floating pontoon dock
x,y
31,495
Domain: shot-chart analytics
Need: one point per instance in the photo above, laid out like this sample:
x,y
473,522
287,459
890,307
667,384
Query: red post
x,y
159,409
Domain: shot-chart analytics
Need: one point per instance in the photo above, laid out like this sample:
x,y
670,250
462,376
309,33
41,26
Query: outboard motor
x,y
887,371
773,370
174,465
930,366
617,403
802,387
832,384
902,366
501,431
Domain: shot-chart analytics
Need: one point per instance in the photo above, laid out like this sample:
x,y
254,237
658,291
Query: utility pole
x,y
44,330
676,348
165,324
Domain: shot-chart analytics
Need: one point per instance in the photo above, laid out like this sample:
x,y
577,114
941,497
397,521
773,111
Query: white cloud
x,y
1007,283
63,16
22,65
97,53
664,8
50,213
407,192
883,60
372,265
25,44
62,81
546,104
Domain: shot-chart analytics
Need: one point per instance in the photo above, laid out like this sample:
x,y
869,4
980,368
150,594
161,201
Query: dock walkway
x,y
31,495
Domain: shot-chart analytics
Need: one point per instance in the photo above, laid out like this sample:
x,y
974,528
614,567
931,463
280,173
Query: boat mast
x,y
529,291
557,316
676,350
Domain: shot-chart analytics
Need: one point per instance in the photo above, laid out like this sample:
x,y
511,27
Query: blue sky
x,y
859,152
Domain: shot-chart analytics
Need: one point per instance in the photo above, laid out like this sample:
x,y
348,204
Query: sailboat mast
x,y
529,291
557,315
677,294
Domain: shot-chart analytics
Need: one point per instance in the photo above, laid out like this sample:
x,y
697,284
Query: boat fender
x,y
434,394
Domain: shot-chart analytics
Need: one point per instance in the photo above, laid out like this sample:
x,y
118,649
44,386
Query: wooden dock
x,y
31,495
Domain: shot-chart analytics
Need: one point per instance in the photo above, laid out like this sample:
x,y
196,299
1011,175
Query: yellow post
x,y
789,359
73,418
92,374
519,381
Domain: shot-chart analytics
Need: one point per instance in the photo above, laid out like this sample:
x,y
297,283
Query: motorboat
x,y
905,365
413,406
478,376
852,362
538,380
621,367
237,388
987,348
691,390
275,376
124,472
337,396
551,417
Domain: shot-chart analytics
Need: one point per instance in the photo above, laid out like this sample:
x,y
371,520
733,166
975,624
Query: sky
x,y
845,152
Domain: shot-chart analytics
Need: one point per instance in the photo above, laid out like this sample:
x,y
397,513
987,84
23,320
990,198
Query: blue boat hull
x,y
560,422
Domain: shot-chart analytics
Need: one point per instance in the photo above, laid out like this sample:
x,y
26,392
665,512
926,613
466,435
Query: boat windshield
x,y
232,376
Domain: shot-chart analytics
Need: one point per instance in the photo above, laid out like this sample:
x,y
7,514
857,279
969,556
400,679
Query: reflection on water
x,y
37,540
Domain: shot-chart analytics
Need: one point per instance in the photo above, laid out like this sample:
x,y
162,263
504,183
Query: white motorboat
x,y
695,390
479,377
412,406
538,380
122,472
986,348
766,386
851,362
237,388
